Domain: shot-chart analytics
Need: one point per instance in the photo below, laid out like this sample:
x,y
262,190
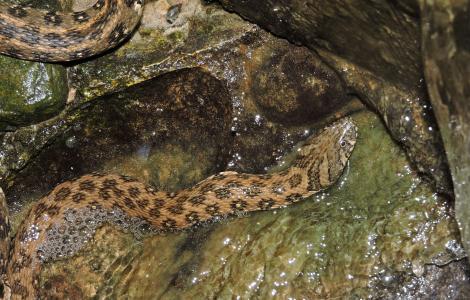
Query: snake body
x,y
319,164
50,36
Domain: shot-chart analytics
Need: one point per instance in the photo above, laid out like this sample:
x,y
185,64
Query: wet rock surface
x,y
289,81
203,36
30,92
389,49
4,237
381,63
446,48
156,127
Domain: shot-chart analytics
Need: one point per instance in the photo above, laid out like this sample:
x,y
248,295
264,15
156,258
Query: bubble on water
x,y
66,238
71,142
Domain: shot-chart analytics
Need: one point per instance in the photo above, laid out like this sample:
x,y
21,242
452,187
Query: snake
x,y
49,230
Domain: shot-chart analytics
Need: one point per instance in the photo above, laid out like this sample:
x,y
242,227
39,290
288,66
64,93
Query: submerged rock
x,y
224,46
152,130
379,232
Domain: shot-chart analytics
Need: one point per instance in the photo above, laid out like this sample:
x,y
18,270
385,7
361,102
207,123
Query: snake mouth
x,y
138,5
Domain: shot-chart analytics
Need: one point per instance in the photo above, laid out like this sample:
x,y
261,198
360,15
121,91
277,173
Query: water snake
x,y
319,164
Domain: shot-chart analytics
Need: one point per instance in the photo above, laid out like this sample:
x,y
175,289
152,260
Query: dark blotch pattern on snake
x,y
47,36
319,164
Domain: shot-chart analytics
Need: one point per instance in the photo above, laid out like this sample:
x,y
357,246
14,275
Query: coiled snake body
x,y
319,164
48,36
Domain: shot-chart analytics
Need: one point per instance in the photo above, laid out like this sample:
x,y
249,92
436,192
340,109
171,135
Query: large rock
x,y
234,53
376,48
287,79
150,130
446,47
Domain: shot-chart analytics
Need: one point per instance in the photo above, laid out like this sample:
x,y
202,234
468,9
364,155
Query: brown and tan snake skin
x,y
319,164
50,36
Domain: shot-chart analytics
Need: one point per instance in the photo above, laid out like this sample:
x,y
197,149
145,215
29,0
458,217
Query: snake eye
x,y
342,143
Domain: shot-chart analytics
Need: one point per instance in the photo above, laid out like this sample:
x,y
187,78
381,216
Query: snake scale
x,y
33,34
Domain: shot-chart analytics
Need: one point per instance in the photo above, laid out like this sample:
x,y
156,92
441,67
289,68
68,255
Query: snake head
x,y
347,135
325,154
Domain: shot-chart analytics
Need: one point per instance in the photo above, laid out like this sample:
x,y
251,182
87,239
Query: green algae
x,y
368,235
30,92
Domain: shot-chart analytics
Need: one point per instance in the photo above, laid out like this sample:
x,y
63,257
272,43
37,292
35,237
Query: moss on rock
x,y
30,92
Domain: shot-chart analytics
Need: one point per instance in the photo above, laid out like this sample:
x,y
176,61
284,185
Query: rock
x,y
381,231
152,131
4,240
292,85
380,41
30,92
390,50
446,48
